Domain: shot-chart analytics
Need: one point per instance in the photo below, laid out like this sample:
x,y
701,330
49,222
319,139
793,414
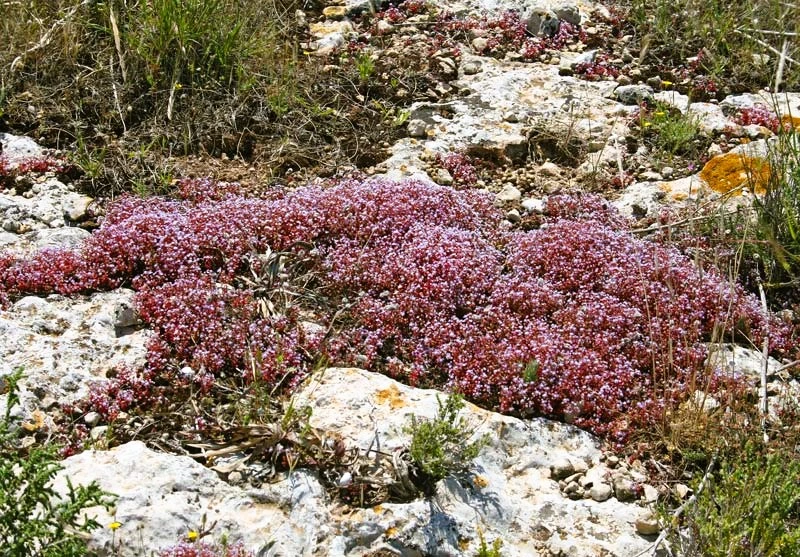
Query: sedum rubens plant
x,y
579,320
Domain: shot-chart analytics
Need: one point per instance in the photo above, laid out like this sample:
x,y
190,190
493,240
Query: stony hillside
x,y
254,352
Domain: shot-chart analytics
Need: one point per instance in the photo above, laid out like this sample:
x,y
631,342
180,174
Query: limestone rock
x,y
633,94
75,206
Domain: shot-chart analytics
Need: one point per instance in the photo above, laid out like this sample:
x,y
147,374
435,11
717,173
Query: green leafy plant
x,y
750,507
366,66
438,446
669,131
485,550
34,520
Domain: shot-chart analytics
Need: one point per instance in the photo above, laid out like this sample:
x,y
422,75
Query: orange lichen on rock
x,y
790,122
730,173
390,396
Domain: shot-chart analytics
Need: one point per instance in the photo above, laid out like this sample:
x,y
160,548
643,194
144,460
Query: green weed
x,y
750,507
439,446
34,521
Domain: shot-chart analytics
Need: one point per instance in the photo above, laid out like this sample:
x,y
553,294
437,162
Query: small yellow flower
x,y
659,113
114,525
647,124
666,83
192,535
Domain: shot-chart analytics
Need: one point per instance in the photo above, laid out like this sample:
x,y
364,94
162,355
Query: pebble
x,y
633,94
682,491
648,525
509,194
91,419
417,128
561,469
601,492
513,216
479,44
625,489
472,67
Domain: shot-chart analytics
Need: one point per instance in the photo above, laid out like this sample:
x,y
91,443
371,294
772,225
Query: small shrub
x,y
33,520
750,507
439,446
485,550
670,131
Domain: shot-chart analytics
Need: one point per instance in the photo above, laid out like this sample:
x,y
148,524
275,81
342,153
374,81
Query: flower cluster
x,y
600,68
202,549
578,320
758,115
460,167
36,165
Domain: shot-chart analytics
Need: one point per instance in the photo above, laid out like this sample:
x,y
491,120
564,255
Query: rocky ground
x,y
541,487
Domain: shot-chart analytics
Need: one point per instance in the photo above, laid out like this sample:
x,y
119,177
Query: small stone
x,y
533,205
550,169
417,128
334,12
384,27
568,13
509,194
654,82
612,461
472,67
235,477
633,94
650,176
600,492
624,80
625,489
647,525
573,487
682,491
513,216
561,469
98,432
586,57
125,316
479,44
442,177
76,206
650,493
668,172
91,419
573,478
10,225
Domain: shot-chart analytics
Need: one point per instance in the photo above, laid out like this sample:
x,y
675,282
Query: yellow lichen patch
x,y
731,172
390,396
37,421
334,12
390,532
480,482
789,121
